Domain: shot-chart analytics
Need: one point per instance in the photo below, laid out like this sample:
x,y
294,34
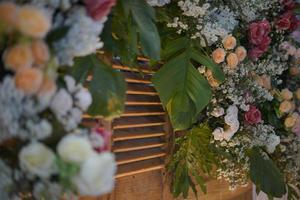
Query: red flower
x,y
287,21
288,4
100,139
97,9
252,116
258,32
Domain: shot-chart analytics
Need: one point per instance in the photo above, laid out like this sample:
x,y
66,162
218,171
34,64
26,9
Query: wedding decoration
x,y
45,152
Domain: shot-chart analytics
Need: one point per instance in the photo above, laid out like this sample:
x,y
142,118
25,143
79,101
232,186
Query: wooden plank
x,y
137,134
128,147
134,122
134,77
141,113
133,88
150,108
142,69
139,167
135,156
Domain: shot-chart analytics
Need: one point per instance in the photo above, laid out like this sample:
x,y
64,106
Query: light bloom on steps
x,y
18,57
29,80
83,99
96,176
75,148
33,21
37,159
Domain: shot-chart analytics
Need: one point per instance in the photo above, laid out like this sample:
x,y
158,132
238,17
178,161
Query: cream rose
x,y
8,13
232,60
29,80
33,21
74,148
96,176
286,94
294,71
286,106
298,93
18,57
40,52
241,53
218,55
229,42
264,81
290,121
37,159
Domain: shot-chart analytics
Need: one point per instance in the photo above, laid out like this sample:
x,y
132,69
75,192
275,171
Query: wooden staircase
x,y
139,135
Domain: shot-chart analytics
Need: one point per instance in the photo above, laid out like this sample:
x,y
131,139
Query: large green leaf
x,y
265,174
108,87
182,89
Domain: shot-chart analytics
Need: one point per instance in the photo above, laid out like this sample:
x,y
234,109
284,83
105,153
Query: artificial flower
x,y
287,21
218,112
241,53
40,52
264,81
98,9
37,159
83,99
229,42
210,78
61,103
286,94
286,106
29,80
291,120
298,93
218,55
48,87
96,175
8,13
253,115
288,4
100,139
18,57
232,60
75,148
33,21
294,71
258,33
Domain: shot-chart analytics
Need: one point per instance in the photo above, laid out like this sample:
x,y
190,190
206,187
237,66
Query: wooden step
x,y
142,69
139,144
134,122
141,113
142,100
134,77
138,133
140,167
136,156
133,88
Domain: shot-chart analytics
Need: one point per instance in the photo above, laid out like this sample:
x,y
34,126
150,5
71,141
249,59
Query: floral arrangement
x,y
240,113
45,152
229,79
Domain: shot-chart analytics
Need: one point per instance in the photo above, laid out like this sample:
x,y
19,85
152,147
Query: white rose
x,y
61,103
83,99
74,148
70,83
96,176
217,112
272,143
37,159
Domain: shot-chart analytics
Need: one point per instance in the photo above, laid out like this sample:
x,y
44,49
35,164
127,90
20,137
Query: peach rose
x,y
18,57
8,13
232,60
229,42
40,52
218,55
33,21
210,78
48,87
29,80
298,93
286,94
264,81
286,106
241,53
290,121
294,71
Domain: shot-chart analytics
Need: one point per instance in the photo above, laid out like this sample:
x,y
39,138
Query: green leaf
x,y
182,89
144,17
108,89
265,174
57,34
82,66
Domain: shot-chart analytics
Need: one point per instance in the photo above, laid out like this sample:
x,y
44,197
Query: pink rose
x,y
288,4
296,129
258,32
100,139
97,9
287,21
257,51
252,116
